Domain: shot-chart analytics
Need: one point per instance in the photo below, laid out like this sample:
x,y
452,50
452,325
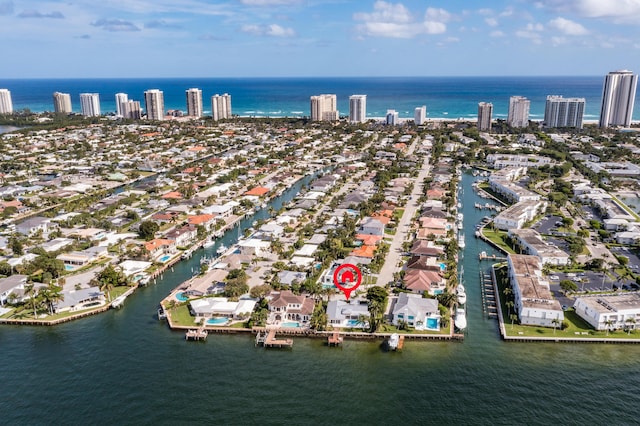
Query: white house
x,y
77,300
221,307
416,311
621,310
533,300
342,313
284,305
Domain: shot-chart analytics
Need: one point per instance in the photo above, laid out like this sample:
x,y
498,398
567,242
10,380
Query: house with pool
x,y
347,314
286,308
220,310
161,249
417,312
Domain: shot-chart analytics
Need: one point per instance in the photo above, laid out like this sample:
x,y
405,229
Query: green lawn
x,y
397,214
180,315
498,238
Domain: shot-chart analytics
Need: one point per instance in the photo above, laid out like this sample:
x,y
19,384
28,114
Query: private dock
x,y
489,306
400,343
484,256
196,334
268,340
335,340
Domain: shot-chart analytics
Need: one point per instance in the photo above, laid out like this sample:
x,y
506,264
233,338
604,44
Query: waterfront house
x,y
12,284
417,312
207,284
78,259
534,303
206,220
353,313
610,311
159,247
183,235
284,305
420,281
221,307
425,248
77,300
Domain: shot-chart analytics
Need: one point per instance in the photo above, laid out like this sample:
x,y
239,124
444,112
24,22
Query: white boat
x,y
461,319
162,314
460,217
221,249
459,205
462,298
393,341
460,289
209,243
461,242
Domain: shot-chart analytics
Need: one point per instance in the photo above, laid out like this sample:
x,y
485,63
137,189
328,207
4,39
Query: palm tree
x,y
608,323
30,290
555,323
106,286
507,292
509,305
513,317
630,321
362,320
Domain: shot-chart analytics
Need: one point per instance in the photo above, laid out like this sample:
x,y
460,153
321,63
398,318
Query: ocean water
x,y
444,97
126,367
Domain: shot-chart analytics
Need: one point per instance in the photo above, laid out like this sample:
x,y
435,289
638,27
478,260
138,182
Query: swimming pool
x,y
69,267
443,266
432,324
164,258
354,323
182,297
217,321
291,324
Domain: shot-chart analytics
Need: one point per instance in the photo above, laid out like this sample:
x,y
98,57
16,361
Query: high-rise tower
x,y
324,108
563,112
194,102
485,110
6,106
90,104
154,104
221,106
121,100
420,115
618,96
518,111
62,103
357,108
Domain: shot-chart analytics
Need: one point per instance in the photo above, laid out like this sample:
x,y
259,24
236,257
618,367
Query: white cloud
x,y
492,22
557,41
272,30
396,21
496,33
618,10
531,32
567,26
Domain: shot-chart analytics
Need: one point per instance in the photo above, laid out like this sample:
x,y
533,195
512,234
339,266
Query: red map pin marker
x,y
346,278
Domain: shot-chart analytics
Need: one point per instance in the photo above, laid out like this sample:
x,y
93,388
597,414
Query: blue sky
x,y
245,38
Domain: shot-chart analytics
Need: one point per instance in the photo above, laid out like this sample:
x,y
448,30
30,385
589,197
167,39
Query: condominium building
x,y
485,111
90,104
131,110
221,106
420,115
563,112
392,117
62,103
154,104
618,96
6,106
357,108
324,108
518,111
121,99
194,102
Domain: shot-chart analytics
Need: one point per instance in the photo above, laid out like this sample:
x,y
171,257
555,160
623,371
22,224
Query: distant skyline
x,y
307,38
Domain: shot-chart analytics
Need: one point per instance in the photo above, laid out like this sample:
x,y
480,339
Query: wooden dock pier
x,y
489,306
335,340
196,334
272,342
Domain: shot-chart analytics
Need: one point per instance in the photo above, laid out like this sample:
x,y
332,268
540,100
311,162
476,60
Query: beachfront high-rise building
x,y
131,110
392,117
357,108
420,115
518,111
121,99
221,106
90,104
563,112
194,102
154,104
485,111
62,103
324,108
618,96
6,105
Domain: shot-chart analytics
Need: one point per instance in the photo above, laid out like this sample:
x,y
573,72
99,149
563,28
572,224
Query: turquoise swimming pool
x,y
432,324
291,324
69,267
164,258
217,321
182,297
353,323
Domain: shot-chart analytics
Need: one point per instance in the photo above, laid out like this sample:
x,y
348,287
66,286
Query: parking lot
x,y
634,260
547,224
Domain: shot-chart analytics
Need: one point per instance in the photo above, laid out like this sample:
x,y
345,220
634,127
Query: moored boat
x,y
460,320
